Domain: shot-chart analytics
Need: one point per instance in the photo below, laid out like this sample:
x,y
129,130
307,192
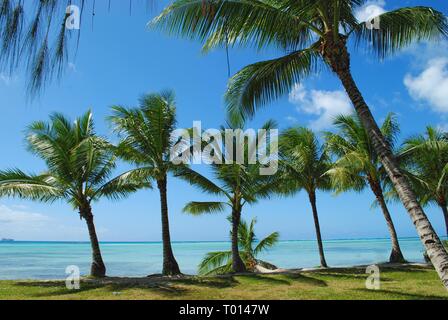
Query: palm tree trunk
x,y
238,265
170,266
312,196
98,269
396,255
336,54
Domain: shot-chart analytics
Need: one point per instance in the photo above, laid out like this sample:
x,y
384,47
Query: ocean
x,y
48,260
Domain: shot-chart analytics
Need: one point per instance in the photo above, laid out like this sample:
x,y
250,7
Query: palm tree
x,y
425,158
312,32
220,262
359,167
239,185
306,162
146,142
79,165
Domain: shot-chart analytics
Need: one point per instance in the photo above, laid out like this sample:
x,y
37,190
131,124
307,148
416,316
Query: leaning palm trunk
x,y
170,266
323,263
98,269
396,255
237,263
338,58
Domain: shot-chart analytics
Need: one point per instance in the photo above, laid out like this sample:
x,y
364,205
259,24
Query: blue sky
x,y
120,59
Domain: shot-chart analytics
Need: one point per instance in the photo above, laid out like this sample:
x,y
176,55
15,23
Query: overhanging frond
x,y
198,208
400,28
260,83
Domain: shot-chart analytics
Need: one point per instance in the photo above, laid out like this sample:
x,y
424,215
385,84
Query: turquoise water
x,y
48,260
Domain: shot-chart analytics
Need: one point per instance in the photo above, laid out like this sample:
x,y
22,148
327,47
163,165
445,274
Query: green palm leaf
x,y
16,183
198,208
401,28
216,263
267,243
263,82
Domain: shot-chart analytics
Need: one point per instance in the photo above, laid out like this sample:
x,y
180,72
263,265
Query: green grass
x,y
403,283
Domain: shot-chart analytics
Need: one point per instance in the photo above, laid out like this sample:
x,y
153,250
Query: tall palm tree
x,y
238,184
146,142
359,167
313,33
425,158
306,162
220,262
79,165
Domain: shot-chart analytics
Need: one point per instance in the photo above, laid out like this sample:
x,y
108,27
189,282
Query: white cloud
x,y
18,222
13,216
431,85
326,105
370,10
291,119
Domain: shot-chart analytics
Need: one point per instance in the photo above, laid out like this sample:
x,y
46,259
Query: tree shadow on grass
x,y
347,276
55,288
165,288
391,294
264,279
305,279
218,282
360,273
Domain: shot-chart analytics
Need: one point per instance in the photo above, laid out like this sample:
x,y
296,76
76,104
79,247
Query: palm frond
x,y
216,263
198,180
27,28
305,159
126,183
198,208
266,243
236,22
401,28
146,131
391,129
16,183
262,82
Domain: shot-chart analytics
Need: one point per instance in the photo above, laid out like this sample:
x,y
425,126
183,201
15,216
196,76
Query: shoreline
x,y
260,271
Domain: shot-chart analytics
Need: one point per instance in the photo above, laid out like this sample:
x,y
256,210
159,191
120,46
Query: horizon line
x,y
203,241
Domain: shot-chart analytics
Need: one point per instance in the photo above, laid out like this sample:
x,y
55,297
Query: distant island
x,y
7,240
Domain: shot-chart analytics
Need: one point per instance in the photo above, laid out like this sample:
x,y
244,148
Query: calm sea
x,y
48,260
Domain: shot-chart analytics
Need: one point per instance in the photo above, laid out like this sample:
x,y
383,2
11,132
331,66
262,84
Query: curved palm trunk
x,y
170,266
396,255
312,196
237,263
336,54
98,269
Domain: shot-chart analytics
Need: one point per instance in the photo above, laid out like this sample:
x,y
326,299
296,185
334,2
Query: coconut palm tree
x,y
358,166
146,142
305,163
79,165
312,33
238,184
425,158
220,262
